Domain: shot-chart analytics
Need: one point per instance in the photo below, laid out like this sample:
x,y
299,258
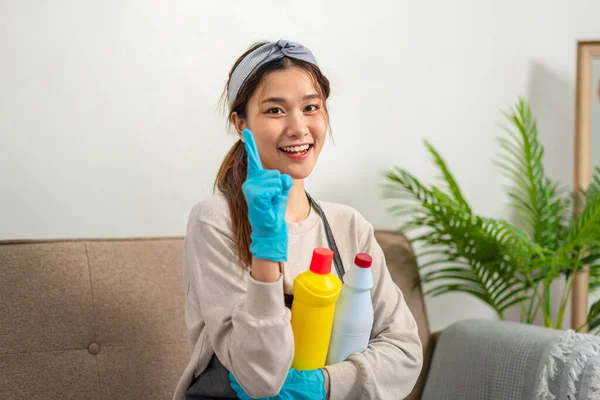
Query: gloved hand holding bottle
x,y
299,385
266,193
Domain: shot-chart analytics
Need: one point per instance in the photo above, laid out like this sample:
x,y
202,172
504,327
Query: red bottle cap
x,y
363,260
321,261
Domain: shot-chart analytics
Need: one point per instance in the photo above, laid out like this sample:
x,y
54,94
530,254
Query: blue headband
x,y
262,55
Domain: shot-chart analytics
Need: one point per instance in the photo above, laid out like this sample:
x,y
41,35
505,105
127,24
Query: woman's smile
x,y
297,152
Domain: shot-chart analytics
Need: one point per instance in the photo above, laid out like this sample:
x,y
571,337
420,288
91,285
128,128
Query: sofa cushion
x,y
101,319
139,308
141,371
53,374
46,323
46,297
138,291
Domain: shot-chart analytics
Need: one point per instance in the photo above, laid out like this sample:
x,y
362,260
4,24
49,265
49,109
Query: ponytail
x,y
230,178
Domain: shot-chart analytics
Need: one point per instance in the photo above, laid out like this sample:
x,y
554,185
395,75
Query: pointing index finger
x,y
254,164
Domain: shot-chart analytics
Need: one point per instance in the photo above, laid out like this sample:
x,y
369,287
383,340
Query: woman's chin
x,y
297,173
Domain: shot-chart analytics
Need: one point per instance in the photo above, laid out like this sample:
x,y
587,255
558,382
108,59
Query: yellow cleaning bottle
x,y
315,294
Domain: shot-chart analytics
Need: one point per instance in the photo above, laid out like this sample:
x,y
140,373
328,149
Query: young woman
x,y
245,245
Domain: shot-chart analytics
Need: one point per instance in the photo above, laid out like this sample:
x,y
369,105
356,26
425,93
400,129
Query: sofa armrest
x,y
482,359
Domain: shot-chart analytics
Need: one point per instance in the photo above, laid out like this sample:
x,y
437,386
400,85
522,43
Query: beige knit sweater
x,y
245,323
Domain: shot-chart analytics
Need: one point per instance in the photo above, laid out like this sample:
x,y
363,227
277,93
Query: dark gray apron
x,y
213,383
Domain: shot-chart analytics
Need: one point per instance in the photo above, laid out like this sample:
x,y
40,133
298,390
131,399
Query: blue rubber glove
x,y
266,193
299,385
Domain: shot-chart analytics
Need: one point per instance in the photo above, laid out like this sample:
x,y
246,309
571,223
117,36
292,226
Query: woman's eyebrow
x,y
281,100
311,96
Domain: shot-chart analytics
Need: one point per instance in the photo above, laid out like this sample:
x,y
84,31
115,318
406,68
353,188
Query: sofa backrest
x,y
104,319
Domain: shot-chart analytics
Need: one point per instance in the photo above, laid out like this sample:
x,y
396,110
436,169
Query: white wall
x,y
109,128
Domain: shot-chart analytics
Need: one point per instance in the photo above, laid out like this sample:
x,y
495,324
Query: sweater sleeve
x,y
388,369
246,320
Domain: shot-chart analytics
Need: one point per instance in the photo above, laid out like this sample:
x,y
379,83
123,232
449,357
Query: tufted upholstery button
x,y
94,348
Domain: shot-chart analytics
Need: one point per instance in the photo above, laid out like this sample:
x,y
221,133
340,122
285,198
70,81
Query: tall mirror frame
x,y
587,137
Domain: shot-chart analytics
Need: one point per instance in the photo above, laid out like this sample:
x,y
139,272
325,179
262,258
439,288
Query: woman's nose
x,y
297,125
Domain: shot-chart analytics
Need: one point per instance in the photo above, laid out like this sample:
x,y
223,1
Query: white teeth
x,y
296,149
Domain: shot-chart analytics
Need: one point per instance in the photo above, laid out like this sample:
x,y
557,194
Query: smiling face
x,y
287,117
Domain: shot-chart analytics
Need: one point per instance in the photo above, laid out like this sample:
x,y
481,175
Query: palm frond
x,y
539,202
480,256
447,177
593,318
585,231
595,183
594,275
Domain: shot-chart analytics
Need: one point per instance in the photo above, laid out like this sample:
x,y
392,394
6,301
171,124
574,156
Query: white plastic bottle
x,y
353,318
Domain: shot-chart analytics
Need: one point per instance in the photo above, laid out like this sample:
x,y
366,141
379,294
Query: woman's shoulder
x,y
212,210
345,215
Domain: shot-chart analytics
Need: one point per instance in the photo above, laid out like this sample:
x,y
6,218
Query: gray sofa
x,y
104,319
478,359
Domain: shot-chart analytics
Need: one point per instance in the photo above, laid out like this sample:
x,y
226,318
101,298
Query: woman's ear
x,y
239,123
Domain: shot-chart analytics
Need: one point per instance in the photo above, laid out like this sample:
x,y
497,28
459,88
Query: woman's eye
x,y
312,107
274,110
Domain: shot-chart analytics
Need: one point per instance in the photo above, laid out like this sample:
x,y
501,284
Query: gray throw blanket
x,y
493,360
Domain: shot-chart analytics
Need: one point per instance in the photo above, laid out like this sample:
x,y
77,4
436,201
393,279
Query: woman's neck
x,y
298,206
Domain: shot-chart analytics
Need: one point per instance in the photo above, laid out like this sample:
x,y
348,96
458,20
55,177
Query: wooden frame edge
x,y
586,50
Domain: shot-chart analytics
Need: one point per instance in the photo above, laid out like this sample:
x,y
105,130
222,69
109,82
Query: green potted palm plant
x,y
556,232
